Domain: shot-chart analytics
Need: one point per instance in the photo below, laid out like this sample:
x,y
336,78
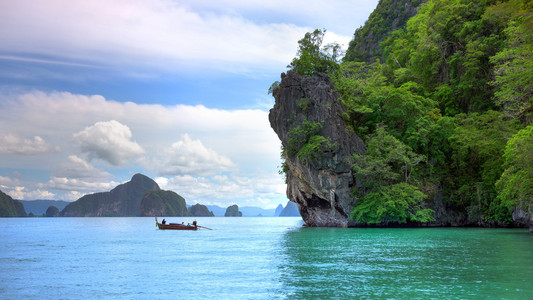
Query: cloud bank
x,y
235,36
205,154
191,157
109,141
13,144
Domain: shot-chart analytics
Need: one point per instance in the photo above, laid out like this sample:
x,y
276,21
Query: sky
x,y
93,92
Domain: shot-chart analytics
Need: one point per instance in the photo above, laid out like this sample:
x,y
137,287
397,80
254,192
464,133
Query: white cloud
x,y
162,34
22,193
224,188
76,167
13,144
191,157
76,185
235,134
190,141
76,175
109,141
6,182
238,36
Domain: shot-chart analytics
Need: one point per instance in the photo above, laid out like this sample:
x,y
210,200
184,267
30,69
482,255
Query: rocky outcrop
x,y
10,207
290,210
322,186
278,210
163,203
122,201
388,16
524,216
39,207
199,210
233,211
52,211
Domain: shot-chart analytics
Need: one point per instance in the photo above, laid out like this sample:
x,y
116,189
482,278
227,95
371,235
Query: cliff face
x,y
524,216
233,211
388,16
10,207
278,210
321,186
123,200
163,203
199,210
290,210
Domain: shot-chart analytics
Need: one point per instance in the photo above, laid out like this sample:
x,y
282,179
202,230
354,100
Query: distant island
x,y
10,207
290,210
141,196
122,201
233,211
39,207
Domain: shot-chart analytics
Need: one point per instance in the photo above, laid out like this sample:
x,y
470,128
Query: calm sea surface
x,y
258,258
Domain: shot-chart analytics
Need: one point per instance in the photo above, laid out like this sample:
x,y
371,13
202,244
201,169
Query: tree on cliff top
x,y
312,57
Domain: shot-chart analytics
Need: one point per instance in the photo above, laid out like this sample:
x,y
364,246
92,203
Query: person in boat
x,y
164,222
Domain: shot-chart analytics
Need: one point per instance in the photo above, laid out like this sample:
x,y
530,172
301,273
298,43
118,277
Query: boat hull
x,y
175,226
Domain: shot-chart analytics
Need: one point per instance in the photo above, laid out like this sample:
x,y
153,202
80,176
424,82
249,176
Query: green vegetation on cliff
x,y
199,210
123,200
163,203
52,211
233,211
388,16
10,207
444,111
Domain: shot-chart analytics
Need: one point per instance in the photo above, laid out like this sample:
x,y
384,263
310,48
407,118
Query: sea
x,y
258,258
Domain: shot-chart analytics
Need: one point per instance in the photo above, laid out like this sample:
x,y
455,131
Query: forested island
x,y
426,121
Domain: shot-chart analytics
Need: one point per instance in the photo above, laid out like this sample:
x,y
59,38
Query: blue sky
x,y
92,92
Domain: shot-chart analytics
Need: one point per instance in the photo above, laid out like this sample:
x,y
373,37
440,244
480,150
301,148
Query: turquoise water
x,y
258,258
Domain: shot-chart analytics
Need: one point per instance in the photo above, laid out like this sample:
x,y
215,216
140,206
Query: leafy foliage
x,y
274,86
398,203
388,16
514,64
312,57
438,103
300,135
454,86
385,173
516,183
314,148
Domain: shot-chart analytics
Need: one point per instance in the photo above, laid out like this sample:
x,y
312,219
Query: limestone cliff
x,y
321,185
163,203
199,210
524,216
10,207
388,16
233,211
123,200
290,210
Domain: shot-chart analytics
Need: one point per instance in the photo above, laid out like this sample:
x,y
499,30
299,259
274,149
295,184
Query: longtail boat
x,y
174,226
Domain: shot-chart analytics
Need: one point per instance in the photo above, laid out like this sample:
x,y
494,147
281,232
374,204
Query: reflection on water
x,y
407,263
